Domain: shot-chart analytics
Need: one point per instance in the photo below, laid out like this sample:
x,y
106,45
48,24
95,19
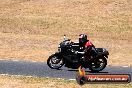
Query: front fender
x,y
103,56
106,56
59,54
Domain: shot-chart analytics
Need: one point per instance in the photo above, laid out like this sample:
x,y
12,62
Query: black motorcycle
x,y
67,55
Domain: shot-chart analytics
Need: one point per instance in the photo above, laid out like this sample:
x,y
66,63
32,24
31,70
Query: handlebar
x,y
66,39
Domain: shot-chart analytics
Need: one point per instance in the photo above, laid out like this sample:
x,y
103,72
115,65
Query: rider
x,y
86,45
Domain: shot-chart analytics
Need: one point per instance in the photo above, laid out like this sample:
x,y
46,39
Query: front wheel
x,y
55,62
98,64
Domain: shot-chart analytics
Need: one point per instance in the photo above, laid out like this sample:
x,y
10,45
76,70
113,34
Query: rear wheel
x,y
98,64
55,62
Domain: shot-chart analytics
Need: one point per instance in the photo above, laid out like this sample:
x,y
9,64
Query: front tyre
x,y
55,62
98,64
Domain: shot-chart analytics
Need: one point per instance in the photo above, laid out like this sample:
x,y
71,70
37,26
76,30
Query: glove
x,y
76,52
81,53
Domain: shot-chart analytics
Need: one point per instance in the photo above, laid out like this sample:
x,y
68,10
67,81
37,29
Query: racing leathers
x,y
87,51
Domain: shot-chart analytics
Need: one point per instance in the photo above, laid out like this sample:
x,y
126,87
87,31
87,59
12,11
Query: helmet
x,y
82,39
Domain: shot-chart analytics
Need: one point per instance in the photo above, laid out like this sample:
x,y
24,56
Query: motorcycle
x,y
67,55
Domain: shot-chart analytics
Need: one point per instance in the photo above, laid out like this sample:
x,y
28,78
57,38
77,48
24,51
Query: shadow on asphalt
x,y
75,70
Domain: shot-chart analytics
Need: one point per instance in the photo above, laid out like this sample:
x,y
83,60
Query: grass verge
x,y
7,81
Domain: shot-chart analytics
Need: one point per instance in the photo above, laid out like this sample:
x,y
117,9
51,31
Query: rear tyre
x,y
55,62
98,64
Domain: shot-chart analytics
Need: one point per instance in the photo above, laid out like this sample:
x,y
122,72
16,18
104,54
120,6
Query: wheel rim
x,y
98,65
55,62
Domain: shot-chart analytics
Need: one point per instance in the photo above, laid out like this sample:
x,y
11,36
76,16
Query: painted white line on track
x,y
15,60
47,77
72,79
34,61
60,78
3,74
125,66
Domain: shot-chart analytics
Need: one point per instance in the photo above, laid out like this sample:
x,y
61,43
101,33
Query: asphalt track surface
x,y
40,69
